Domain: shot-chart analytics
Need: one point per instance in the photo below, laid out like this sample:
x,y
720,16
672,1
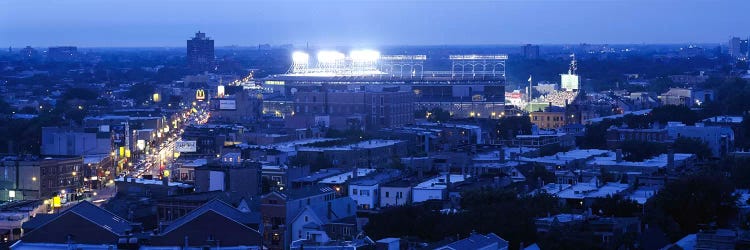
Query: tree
x,y
437,115
320,162
694,146
508,127
615,206
140,92
668,113
683,205
641,150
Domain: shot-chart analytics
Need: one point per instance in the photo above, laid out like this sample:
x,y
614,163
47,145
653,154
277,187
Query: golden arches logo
x,y
200,95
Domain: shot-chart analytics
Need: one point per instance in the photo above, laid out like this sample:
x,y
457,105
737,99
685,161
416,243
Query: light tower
x,y
330,62
300,62
363,61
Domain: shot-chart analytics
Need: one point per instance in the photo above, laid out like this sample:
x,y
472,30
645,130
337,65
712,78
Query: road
x,y
159,158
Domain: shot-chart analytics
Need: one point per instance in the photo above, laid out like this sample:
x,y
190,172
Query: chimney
x,y
670,158
448,181
618,155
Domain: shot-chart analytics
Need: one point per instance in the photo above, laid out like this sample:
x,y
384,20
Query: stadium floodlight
x,y
328,56
299,57
364,55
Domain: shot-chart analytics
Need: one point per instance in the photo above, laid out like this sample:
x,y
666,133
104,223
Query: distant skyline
x,y
363,23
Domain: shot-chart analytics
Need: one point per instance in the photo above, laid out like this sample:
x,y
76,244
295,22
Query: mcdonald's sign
x,y
200,95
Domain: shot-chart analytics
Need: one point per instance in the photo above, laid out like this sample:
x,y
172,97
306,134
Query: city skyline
x,y
369,23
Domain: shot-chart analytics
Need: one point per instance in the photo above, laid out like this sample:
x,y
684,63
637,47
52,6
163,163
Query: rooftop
x,y
440,182
369,144
153,182
659,161
341,178
563,158
590,189
724,119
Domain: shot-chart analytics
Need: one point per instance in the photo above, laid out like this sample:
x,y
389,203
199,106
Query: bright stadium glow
x,y
364,55
328,56
299,57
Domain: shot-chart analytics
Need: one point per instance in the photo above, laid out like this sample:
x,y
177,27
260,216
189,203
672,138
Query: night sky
x,y
135,23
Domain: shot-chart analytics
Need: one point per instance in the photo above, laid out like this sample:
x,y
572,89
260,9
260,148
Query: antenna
x,y
573,64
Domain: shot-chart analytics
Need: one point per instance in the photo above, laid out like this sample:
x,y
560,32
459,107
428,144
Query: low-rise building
x,y
334,220
395,193
435,188
477,242
40,178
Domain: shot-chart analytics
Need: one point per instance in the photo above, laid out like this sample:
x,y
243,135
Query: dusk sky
x,y
96,23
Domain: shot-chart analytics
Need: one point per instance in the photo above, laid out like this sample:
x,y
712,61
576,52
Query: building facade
x,y
200,52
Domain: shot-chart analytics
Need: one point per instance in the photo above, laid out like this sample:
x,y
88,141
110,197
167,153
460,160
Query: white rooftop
x,y
563,218
341,178
642,194
196,163
566,157
440,182
290,146
724,119
659,161
360,145
153,182
583,190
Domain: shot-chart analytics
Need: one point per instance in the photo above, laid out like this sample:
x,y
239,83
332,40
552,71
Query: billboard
x,y
227,105
185,146
569,82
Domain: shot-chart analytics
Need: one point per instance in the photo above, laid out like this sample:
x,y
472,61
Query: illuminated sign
x,y
513,95
200,95
220,91
569,82
141,144
274,82
227,105
56,201
185,146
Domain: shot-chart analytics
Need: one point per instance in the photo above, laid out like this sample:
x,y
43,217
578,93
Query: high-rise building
x,y
28,52
531,51
738,48
200,52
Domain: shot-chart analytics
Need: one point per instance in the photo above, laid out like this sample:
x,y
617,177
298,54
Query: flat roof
x,y
562,158
153,182
439,182
658,161
369,144
341,178
583,190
